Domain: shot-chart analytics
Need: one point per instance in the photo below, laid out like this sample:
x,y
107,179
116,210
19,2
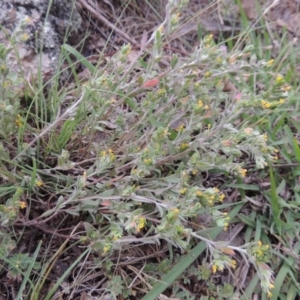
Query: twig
x,y
107,23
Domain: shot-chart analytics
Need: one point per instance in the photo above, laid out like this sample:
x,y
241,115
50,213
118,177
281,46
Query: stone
x,y
36,32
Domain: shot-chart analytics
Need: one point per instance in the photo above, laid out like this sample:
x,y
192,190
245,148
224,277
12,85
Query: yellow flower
x,y
269,294
259,243
200,104
270,62
221,198
106,248
265,104
242,172
226,224
183,146
281,101
22,204
207,74
198,193
24,37
148,161
180,128
18,121
233,264
175,210
38,182
218,60
111,155
279,79
141,223
214,269
182,191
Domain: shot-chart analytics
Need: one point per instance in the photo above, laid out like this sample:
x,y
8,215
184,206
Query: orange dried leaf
x,y
228,251
106,203
151,83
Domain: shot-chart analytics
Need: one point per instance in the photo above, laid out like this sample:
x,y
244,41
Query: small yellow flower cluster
x,y
207,74
108,154
208,40
221,197
173,214
233,264
183,191
179,229
279,79
219,60
200,104
24,37
242,172
199,193
19,121
38,183
220,262
3,68
226,221
106,248
141,224
147,161
180,128
210,196
214,268
271,286
22,204
161,92
183,146
260,251
265,104
217,266
270,62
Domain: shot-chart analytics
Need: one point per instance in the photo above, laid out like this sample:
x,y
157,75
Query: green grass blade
x,y
80,58
27,274
61,279
185,262
274,201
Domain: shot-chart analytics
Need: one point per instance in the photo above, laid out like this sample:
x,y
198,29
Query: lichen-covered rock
x,y
36,32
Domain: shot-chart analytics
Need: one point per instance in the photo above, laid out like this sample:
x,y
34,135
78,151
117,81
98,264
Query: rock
x,y
36,34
